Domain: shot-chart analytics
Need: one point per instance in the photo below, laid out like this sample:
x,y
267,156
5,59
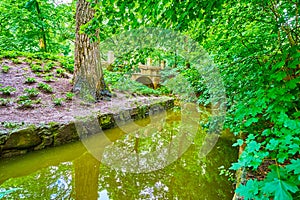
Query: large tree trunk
x,y
88,75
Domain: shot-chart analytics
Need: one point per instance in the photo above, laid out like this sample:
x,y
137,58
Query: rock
x,y
22,139
3,138
122,117
47,141
46,133
65,134
13,152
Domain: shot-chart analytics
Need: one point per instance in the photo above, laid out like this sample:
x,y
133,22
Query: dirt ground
x,y
45,110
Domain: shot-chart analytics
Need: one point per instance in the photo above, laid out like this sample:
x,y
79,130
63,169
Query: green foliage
x,y
25,101
37,57
48,66
12,125
30,80
8,90
60,72
16,61
67,63
31,92
69,96
5,68
249,190
4,102
121,82
257,50
45,87
279,184
225,172
163,90
48,78
256,46
295,167
58,101
112,78
36,26
36,68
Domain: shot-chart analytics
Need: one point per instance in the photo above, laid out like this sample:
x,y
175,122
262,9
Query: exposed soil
x,y
44,110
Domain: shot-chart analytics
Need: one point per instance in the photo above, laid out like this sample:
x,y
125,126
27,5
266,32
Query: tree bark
x,y
88,76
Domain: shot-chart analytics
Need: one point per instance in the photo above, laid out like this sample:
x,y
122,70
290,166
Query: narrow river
x,y
116,164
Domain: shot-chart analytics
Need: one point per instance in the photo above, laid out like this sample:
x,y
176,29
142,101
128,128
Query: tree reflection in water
x,y
86,170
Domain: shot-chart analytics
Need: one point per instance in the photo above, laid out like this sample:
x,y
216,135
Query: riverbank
x,y
38,110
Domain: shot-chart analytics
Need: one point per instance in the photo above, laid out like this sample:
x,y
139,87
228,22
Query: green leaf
x,y
253,146
248,191
250,121
292,124
294,64
279,76
279,65
236,166
239,142
280,189
294,166
272,145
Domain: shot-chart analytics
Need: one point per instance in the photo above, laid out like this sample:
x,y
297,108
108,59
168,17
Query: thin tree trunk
x,y
43,42
88,75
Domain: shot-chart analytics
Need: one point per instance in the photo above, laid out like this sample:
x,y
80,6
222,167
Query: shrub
x,y
48,66
7,90
70,95
60,72
45,87
48,78
4,102
30,80
5,68
58,101
36,68
16,61
12,125
26,103
31,92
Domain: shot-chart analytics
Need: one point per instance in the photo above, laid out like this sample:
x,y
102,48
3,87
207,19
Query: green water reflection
x,y
72,172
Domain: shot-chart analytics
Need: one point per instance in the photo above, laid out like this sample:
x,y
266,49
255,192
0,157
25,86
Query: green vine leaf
x,y
239,142
280,189
249,190
294,166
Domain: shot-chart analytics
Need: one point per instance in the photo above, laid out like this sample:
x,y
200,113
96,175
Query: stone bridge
x,y
149,75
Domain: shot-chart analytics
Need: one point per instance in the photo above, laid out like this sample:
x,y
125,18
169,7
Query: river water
x,y
120,164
